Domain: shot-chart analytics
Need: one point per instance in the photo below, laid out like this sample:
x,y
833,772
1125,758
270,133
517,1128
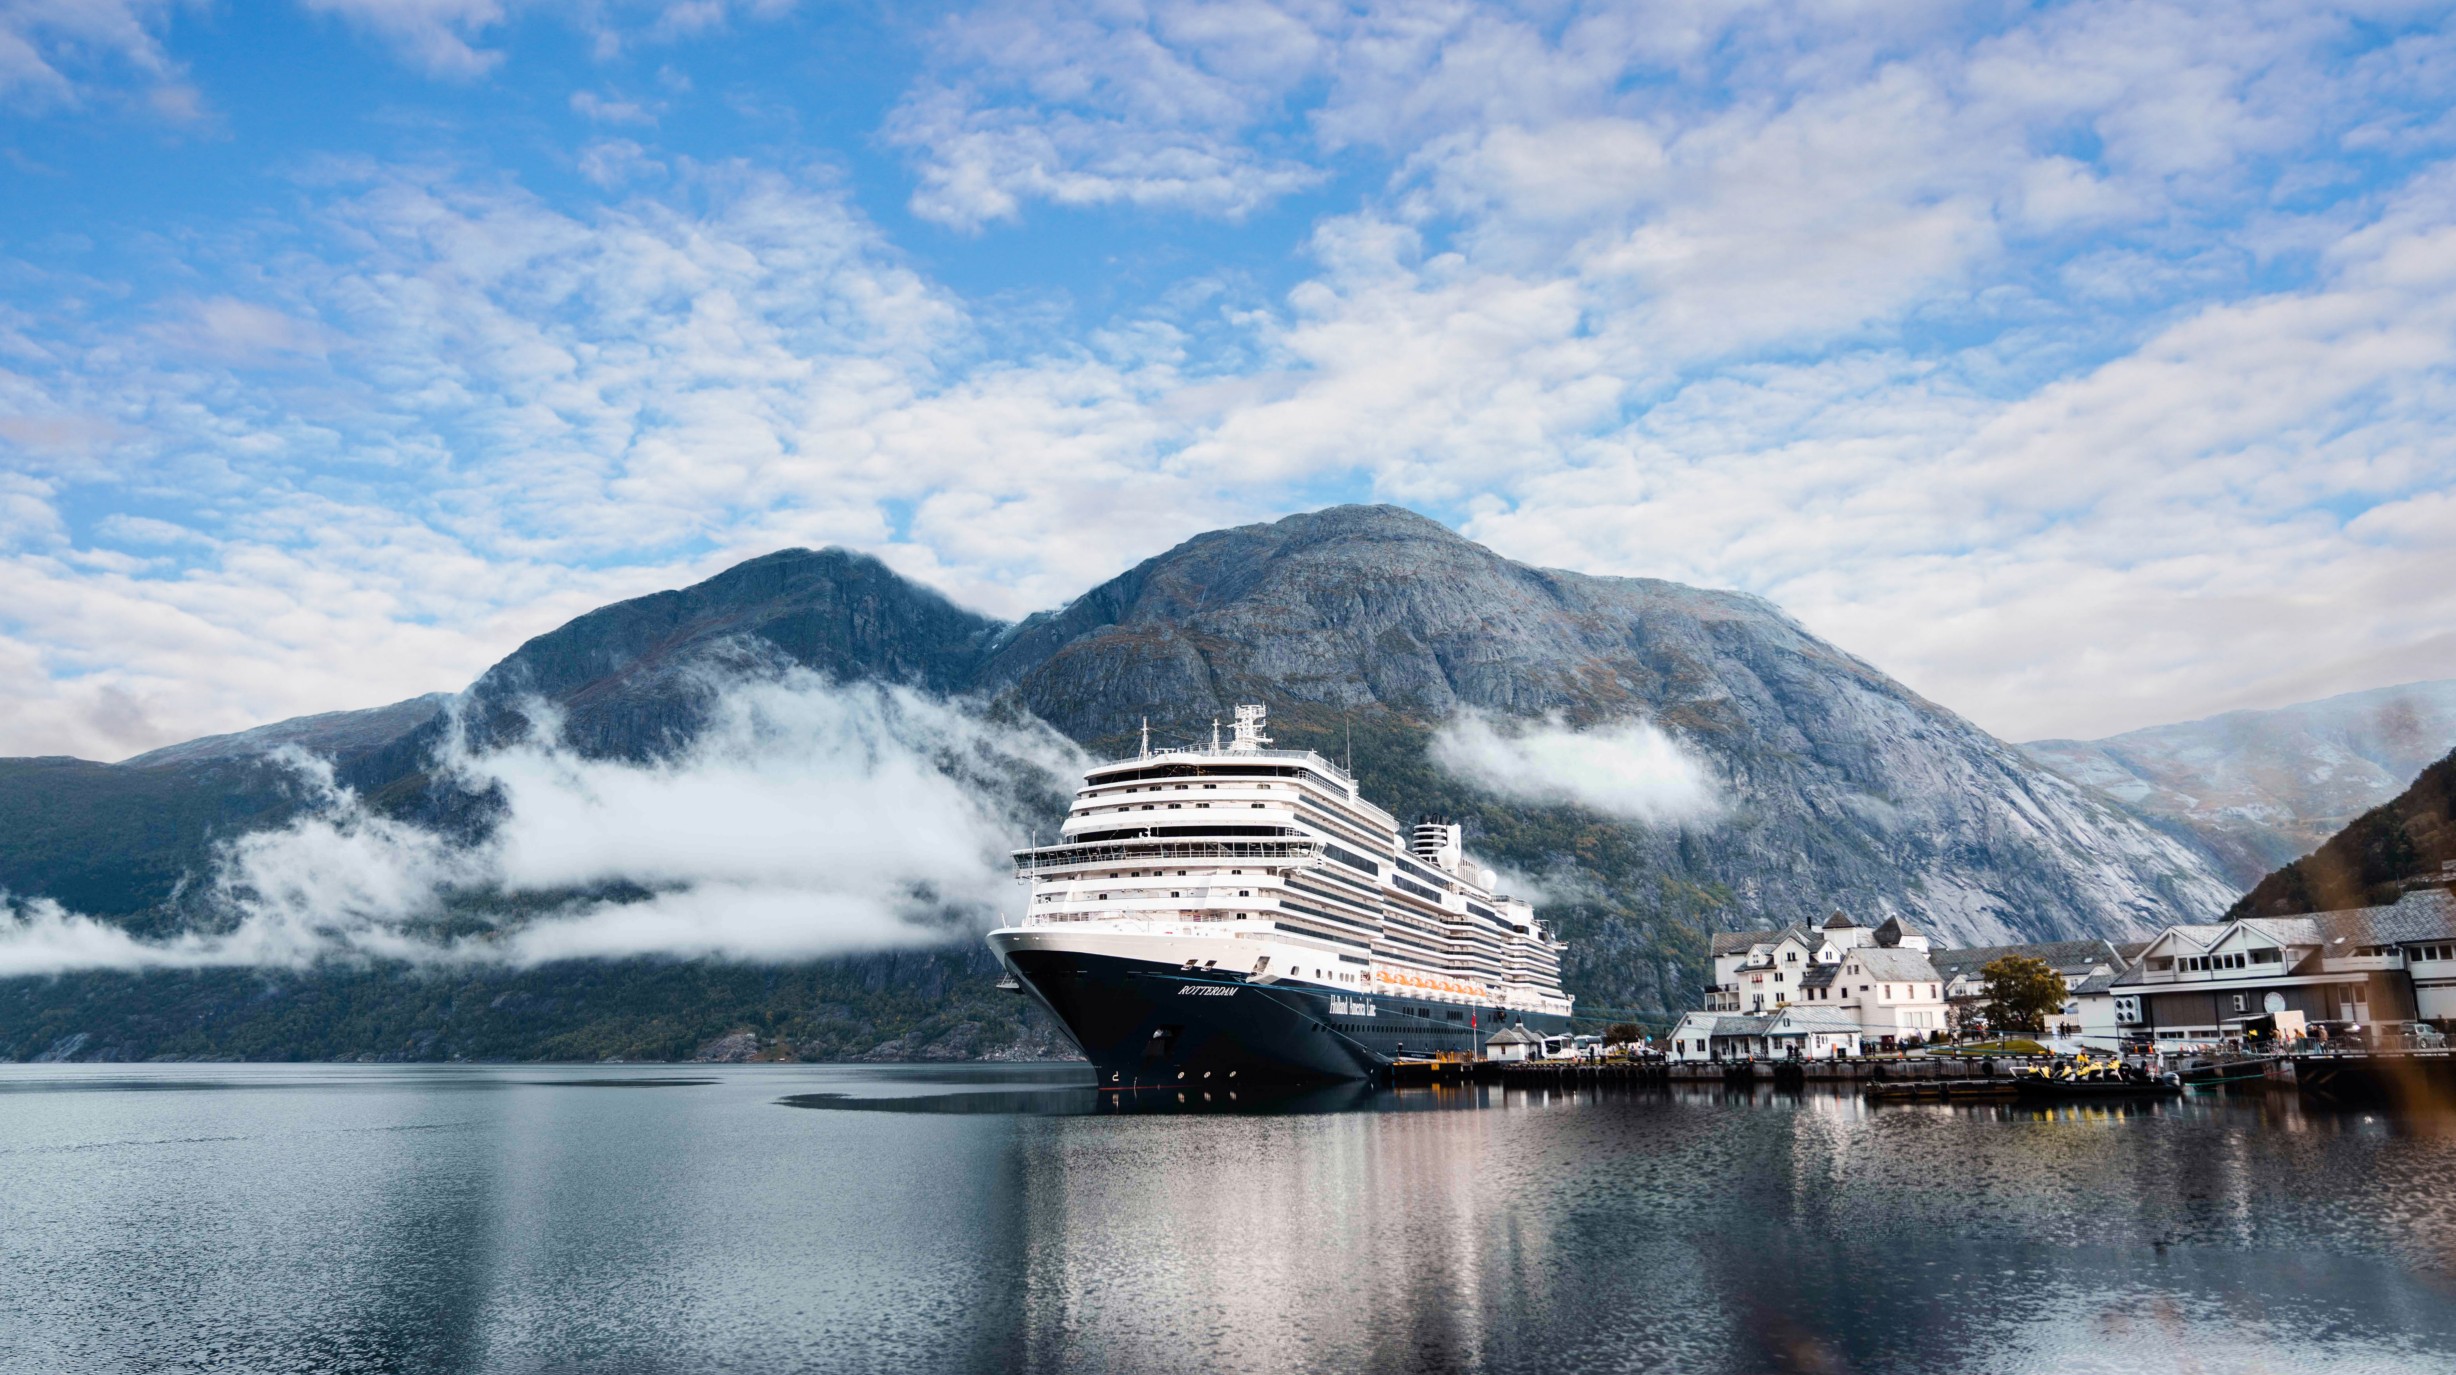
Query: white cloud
x,y
1110,104
67,53
1628,769
439,37
808,820
450,38
1917,325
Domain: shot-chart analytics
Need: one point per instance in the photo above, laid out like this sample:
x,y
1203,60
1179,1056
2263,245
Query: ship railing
x,y
1049,857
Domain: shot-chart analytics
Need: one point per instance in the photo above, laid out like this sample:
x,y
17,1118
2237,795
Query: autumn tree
x,y
2022,993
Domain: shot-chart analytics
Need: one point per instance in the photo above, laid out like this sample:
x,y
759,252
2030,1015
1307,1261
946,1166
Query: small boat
x,y
2086,1077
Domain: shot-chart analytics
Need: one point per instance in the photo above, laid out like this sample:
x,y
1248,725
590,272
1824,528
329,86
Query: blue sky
x,y
2085,366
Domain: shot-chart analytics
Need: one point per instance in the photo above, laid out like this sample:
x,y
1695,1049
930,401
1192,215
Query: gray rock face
x,y
1839,786
635,677
2260,788
1844,786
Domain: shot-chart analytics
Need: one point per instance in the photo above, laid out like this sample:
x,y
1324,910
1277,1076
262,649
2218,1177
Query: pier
x,y
1779,1073
2421,1081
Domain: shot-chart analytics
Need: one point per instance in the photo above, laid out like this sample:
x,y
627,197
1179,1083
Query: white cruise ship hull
x,y
1243,914
1144,1020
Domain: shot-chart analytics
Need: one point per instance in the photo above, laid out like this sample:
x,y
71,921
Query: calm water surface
x,y
781,1218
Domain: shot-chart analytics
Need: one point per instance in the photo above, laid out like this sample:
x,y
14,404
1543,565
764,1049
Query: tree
x,y
1623,1033
1966,1018
2021,993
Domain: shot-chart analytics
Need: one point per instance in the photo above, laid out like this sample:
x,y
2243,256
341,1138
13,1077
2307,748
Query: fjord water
x,y
777,1218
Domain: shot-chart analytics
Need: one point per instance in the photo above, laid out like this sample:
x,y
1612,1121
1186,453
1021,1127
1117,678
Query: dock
x,y
2406,1080
1778,1073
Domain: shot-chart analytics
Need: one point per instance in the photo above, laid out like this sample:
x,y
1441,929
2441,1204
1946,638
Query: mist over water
x,y
526,1219
808,818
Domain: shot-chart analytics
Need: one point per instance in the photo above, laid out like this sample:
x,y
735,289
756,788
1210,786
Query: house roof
x,y
1838,922
2284,930
1802,1021
2059,955
2096,983
1819,975
1724,1023
1514,1036
1900,966
1741,942
2425,914
1891,933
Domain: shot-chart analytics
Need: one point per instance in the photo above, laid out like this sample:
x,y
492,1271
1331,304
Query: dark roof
x,y
2059,955
2095,983
2425,914
1891,933
1838,922
1819,975
2128,951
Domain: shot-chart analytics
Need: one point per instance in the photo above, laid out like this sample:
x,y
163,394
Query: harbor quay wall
x,y
1724,1072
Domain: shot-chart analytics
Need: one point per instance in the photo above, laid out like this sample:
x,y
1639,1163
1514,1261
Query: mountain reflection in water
x,y
1011,1218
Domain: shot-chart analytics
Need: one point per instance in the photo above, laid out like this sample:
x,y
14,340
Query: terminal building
x,y
2388,964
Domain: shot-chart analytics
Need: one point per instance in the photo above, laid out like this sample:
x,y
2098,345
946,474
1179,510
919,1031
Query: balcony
x,y
1053,858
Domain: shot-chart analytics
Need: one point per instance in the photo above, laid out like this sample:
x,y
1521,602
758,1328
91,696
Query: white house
x,y
1812,1033
1719,1036
1881,980
1511,1044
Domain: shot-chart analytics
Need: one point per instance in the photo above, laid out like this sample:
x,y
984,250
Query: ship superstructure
x,y
1241,911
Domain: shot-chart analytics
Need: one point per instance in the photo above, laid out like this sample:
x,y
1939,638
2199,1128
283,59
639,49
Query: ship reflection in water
x,y
517,1219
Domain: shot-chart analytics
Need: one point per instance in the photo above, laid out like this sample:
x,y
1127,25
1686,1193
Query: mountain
x,y
1368,630
2258,788
338,735
1846,787
634,679
2410,838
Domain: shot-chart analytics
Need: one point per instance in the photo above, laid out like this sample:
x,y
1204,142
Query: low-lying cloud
x,y
808,819
1629,769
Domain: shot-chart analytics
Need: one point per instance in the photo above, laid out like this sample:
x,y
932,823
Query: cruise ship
x,y
1238,914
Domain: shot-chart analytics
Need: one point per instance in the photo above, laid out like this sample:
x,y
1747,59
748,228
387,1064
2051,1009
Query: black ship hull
x,y
1146,1025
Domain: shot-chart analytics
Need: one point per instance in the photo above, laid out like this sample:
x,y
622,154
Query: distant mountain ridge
x,y
2408,839
2259,788
1375,625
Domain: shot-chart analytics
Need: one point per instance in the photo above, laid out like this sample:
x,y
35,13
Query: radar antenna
x,y
1249,736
